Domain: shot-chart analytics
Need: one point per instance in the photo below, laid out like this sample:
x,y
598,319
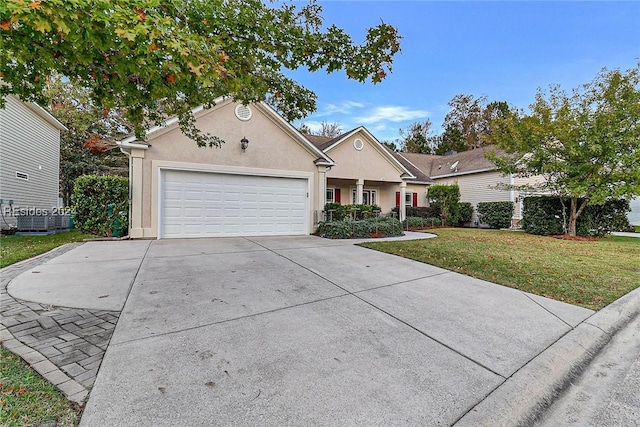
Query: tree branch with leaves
x,y
586,144
160,59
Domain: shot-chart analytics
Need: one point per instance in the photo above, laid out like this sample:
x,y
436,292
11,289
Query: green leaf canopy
x,y
157,58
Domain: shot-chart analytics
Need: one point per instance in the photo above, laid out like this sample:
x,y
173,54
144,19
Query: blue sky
x,y
504,50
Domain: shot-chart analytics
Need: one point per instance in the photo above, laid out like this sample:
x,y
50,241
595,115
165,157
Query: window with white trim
x,y
331,195
408,199
369,197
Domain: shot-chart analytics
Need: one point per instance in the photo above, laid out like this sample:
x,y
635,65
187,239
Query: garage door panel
x,y
200,204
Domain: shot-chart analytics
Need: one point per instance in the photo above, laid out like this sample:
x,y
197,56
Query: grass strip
x,y
590,274
17,248
26,399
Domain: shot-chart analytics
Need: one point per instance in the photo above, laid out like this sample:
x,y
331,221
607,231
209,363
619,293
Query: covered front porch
x,y
384,194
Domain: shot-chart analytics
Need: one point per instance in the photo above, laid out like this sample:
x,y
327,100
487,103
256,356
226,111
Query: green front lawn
x,y
591,274
18,248
26,399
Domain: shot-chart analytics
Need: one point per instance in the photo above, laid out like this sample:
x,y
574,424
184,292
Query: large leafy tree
x,y
417,138
88,145
466,116
451,139
468,124
586,144
159,58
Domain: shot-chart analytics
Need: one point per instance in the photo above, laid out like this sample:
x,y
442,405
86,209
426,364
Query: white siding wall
x,y
634,215
30,145
479,187
520,195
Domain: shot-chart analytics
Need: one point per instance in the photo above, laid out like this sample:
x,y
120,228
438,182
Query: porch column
x,y
322,192
359,188
403,196
135,185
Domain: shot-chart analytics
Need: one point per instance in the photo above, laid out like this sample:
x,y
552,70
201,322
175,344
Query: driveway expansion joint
x,y
546,309
64,345
355,294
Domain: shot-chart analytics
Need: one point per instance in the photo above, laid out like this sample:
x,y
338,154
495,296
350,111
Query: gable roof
x,y
133,142
464,163
419,176
318,140
330,144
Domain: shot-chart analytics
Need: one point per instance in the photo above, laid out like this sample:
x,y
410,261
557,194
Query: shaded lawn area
x,y
591,274
26,399
17,248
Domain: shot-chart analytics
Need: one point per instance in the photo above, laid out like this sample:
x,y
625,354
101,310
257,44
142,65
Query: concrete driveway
x,y
307,331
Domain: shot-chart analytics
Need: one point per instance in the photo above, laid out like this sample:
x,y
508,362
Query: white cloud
x,y
392,113
346,107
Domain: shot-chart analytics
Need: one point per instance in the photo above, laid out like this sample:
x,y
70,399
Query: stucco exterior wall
x,y
368,164
371,165
421,190
271,149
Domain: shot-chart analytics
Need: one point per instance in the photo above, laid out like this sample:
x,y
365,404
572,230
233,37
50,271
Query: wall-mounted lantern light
x,y
244,143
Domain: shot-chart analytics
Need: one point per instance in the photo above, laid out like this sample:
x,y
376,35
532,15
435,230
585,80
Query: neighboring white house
x,y
478,178
29,159
634,215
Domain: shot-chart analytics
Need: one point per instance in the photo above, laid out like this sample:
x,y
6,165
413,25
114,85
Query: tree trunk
x,y
574,213
572,216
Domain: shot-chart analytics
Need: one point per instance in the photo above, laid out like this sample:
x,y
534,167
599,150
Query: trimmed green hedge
x,y
546,215
423,211
465,212
101,204
543,215
340,211
360,229
416,221
495,214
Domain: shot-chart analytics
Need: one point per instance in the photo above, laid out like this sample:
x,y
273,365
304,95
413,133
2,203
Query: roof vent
x,y
358,144
454,166
243,112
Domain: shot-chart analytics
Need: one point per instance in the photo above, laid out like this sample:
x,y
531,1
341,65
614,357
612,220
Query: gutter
x,y
464,173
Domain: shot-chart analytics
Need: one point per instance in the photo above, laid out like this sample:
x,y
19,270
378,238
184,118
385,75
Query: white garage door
x,y
204,204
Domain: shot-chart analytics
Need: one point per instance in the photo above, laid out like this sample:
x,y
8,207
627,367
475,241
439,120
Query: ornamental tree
x,y
585,144
445,198
154,59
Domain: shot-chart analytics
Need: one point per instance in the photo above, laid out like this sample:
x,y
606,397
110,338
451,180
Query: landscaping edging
x,y
515,402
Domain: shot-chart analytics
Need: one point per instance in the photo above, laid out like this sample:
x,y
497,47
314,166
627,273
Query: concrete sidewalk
x,y
303,330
